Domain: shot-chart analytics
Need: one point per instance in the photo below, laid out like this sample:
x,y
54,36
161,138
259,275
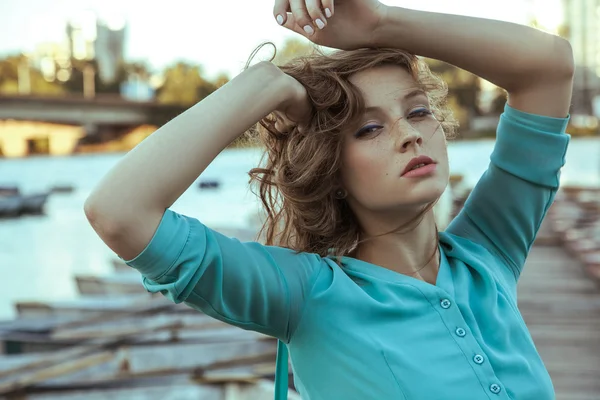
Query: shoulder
x,y
477,257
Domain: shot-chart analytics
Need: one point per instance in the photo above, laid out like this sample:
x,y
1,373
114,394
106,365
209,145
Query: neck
x,y
411,252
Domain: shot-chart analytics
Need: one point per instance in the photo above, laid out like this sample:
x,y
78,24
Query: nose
x,y
409,137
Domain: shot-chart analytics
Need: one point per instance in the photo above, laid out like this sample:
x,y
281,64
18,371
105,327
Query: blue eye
x,y
367,130
419,113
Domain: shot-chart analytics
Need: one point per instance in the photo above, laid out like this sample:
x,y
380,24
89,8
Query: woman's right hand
x,y
295,109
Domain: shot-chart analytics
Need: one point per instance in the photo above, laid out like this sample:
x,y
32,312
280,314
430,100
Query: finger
x,y
280,10
327,8
282,123
290,23
301,16
314,10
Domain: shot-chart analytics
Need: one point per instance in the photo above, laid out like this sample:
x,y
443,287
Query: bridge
x,y
91,119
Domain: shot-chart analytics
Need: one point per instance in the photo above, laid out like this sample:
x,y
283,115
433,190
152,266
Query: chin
x,y
427,193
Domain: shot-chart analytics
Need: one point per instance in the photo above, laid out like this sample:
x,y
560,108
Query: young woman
x,y
369,300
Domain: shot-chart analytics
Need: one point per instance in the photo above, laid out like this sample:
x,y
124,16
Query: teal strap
x,y
281,372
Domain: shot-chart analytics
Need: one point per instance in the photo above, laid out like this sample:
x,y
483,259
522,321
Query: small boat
x,y
208,184
10,206
62,189
34,204
9,191
17,204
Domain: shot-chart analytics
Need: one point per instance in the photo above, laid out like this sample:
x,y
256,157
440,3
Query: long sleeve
x,y
506,208
249,285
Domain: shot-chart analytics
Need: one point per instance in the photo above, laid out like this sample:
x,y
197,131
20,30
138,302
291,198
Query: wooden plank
x,y
561,308
261,390
83,306
118,283
180,389
193,357
27,378
154,389
133,364
119,328
17,363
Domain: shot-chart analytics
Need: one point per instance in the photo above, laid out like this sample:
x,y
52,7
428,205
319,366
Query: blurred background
x,y
84,81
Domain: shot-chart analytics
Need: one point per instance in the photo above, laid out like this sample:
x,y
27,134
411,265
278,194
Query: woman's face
x,y
395,159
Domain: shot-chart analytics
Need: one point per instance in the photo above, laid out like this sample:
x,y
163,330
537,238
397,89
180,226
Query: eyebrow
x,y
410,95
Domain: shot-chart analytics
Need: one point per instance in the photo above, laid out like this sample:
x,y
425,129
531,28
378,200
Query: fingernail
x,y
280,19
328,13
309,30
320,24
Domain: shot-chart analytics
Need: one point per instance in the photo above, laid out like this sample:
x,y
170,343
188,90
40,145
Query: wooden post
x,y
89,86
23,77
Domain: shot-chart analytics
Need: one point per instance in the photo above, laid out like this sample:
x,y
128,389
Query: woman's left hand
x,y
346,25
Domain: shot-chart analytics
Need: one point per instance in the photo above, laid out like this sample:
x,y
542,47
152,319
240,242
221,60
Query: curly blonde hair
x,y
300,170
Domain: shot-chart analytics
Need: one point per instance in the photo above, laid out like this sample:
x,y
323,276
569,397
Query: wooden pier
x,y
561,307
559,294
103,345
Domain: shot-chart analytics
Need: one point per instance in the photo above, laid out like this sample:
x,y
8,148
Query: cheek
x,y
438,147
365,164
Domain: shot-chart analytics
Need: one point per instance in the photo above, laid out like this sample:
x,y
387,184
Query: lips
x,y
417,162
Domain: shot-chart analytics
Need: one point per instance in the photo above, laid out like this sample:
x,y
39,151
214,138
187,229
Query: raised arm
x,y
535,68
127,205
507,206
246,284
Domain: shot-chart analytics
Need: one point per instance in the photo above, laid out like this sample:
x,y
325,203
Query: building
x,y
582,28
109,47
102,40
53,61
81,33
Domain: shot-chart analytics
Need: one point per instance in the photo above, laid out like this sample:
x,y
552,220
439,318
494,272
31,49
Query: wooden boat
x,y
151,348
119,265
17,205
9,191
181,389
129,282
83,306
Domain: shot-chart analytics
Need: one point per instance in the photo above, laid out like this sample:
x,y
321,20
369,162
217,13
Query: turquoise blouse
x,y
360,331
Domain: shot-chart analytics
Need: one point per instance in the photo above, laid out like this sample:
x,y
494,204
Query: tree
x,y
184,85
124,71
499,102
293,48
18,67
463,89
221,80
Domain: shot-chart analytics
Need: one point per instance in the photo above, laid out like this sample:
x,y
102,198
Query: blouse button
x,y
461,332
494,388
478,359
445,303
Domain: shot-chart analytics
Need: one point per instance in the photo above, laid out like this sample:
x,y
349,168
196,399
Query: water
x,y
40,254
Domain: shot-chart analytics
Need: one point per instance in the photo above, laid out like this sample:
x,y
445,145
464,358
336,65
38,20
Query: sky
x,y
218,34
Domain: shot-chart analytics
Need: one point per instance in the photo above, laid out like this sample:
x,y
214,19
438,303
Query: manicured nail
x,y
309,30
280,19
328,13
320,24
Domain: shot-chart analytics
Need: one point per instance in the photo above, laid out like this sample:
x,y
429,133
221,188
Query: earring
x,y
340,194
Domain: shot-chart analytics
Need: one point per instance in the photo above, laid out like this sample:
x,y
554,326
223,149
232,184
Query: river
x,y
40,254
